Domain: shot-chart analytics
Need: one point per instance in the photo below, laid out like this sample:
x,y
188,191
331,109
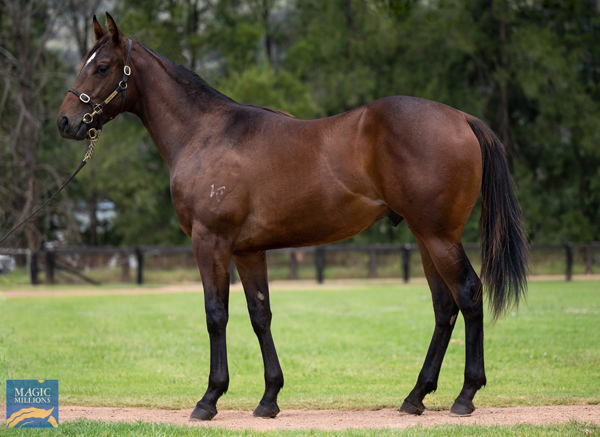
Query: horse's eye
x,y
102,69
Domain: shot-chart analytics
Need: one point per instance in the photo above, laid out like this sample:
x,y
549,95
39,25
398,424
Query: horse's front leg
x,y
213,256
253,274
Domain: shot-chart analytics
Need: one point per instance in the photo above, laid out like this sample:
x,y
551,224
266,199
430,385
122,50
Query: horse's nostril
x,y
63,124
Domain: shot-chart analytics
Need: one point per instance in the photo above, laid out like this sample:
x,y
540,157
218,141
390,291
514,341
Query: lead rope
x,y
93,136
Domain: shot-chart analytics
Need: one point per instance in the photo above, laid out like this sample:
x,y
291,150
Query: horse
x,y
245,179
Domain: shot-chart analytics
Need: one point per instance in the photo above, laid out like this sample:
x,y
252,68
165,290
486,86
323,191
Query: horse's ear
x,y
98,29
113,29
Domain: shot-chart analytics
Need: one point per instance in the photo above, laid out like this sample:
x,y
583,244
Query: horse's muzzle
x,y
70,130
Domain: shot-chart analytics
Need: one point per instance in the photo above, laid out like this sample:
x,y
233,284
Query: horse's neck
x,y
172,108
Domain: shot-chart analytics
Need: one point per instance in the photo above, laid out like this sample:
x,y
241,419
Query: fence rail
x,y
64,260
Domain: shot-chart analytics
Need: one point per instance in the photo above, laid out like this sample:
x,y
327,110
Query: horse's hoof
x,y
266,410
462,408
203,412
412,409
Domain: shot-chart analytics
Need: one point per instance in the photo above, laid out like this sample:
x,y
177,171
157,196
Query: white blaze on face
x,y
90,59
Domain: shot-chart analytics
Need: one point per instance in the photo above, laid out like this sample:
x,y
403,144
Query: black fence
x,y
314,262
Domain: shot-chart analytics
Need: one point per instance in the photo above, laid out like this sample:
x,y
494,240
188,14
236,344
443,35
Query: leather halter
x,y
97,108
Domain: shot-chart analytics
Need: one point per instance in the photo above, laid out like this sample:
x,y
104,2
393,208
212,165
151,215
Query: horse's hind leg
x,y
253,274
445,310
453,269
468,294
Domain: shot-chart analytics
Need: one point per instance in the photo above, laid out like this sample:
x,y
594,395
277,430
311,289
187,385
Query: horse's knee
x,y
261,323
216,321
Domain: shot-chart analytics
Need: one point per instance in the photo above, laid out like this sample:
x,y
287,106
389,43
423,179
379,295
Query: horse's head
x,y
99,91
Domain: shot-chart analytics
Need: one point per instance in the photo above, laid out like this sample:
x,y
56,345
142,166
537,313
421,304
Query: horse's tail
x,y
504,247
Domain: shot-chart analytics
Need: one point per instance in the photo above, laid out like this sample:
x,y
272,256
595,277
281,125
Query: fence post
x,y
125,275
372,263
406,262
293,265
320,263
588,259
49,267
34,268
140,268
569,255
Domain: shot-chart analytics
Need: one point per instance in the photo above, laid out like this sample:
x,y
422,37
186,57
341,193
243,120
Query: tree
x,y
26,70
556,60
530,69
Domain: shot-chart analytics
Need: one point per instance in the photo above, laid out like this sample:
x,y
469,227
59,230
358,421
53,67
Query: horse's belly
x,y
311,224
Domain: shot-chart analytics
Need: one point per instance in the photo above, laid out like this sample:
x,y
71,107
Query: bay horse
x,y
246,179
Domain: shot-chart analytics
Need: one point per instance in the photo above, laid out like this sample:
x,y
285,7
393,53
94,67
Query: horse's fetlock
x,y
218,384
275,380
476,380
427,385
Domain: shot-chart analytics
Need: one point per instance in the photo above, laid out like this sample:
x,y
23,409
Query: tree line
x,y
529,68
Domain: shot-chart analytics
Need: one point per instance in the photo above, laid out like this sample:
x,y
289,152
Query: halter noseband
x,y
97,108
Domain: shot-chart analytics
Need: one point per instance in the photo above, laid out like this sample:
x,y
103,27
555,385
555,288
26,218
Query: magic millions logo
x,y
32,403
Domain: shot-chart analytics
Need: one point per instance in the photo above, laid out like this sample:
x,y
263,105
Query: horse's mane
x,y
276,111
190,81
195,85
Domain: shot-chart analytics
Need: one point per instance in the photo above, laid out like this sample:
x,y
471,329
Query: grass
x,y
89,428
357,347
339,348
17,278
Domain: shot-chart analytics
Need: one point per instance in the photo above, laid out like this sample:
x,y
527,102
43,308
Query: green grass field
x,y
87,428
360,348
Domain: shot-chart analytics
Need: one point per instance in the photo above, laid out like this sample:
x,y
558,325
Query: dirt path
x,y
339,420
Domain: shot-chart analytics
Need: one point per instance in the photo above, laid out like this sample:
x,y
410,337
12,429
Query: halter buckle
x,y
93,134
85,98
88,118
127,70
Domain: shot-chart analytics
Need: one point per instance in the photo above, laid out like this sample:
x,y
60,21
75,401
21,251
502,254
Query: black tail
x,y
504,247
